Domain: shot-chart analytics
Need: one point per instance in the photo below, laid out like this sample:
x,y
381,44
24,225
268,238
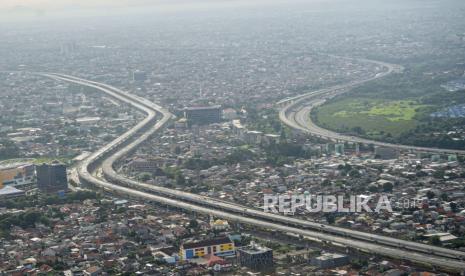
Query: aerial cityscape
x,y
200,137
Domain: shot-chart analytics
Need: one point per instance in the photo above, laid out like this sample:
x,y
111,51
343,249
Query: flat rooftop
x,y
14,165
202,107
329,256
9,190
255,249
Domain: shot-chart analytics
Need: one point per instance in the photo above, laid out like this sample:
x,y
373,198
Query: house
x,y
93,271
217,264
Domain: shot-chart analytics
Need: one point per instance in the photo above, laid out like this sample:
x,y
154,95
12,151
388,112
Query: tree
x,y
326,183
358,130
144,177
132,255
421,174
354,173
444,197
330,219
52,200
387,187
59,266
8,149
434,240
197,164
193,224
180,179
373,188
239,155
439,174
282,135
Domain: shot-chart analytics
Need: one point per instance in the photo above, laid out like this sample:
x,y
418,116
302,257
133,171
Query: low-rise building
x,y
9,192
330,260
18,175
222,247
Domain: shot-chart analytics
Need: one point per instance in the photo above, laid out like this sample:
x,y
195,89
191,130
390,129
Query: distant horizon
x,y
26,10
32,10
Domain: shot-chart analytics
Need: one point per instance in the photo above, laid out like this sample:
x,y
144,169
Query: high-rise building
x,y
256,257
139,76
435,158
203,115
452,158
68,48
52,178
339,149
326,149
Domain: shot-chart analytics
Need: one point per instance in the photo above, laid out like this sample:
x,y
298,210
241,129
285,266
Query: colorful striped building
x,y
221,247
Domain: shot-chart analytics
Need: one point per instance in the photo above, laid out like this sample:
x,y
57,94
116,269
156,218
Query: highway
x,y
296,113
157,118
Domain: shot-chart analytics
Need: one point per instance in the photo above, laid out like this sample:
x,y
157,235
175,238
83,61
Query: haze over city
x,y
17,10
202,137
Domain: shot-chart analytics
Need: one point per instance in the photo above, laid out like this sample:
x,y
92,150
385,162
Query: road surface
x,y
104,158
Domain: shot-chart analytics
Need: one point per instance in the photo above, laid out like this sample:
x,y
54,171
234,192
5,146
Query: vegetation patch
x,y
372,117
397,108
393,111
396,111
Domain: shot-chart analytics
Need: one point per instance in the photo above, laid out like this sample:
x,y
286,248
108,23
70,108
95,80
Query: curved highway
x,y
446,259
296,113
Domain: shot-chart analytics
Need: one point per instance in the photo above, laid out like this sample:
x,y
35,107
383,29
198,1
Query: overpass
x,y
295,113
105,158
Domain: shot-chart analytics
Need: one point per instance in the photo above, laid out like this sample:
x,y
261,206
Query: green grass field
x,y
374,117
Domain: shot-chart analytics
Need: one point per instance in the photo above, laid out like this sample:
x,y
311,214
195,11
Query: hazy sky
x,y
58,4
53,4
38,9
